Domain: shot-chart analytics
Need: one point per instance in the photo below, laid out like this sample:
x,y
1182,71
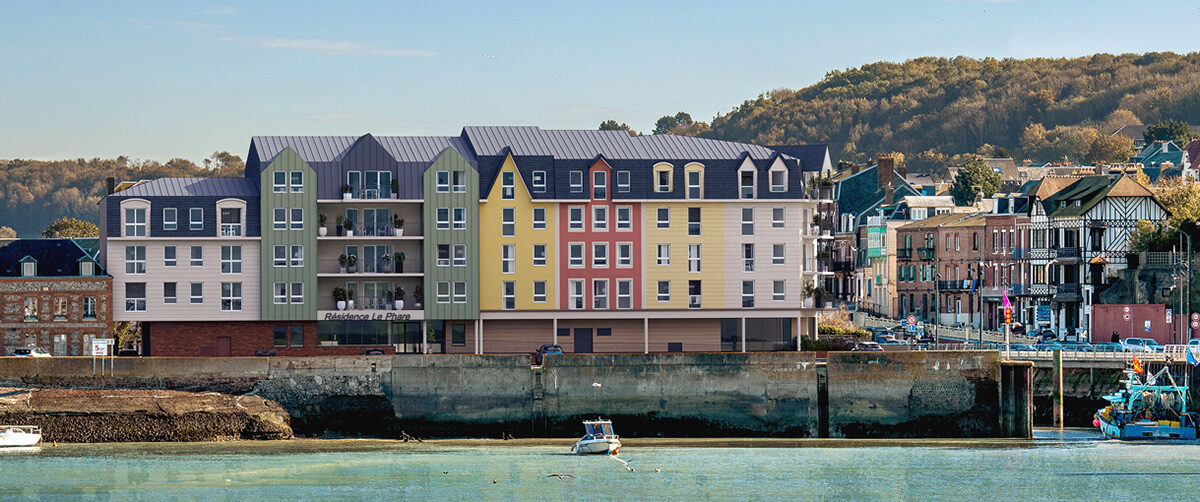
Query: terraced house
x,y
497,240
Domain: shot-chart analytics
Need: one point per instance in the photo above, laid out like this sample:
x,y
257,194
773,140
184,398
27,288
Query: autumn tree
x,y
70,228
7,233
1177,131
1109,148
612,125
975,176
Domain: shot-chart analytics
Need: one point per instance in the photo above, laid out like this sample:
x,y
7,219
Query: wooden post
x,y
1058,389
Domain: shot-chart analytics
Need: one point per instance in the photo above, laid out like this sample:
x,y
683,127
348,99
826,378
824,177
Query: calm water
x,y
1070,466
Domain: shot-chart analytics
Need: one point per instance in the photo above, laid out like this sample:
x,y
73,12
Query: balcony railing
x,y
693,301
959,285
231,230
843,266
1067,289
904,253
1020,253
369,194
410,266
928,253
1067,253
1041,289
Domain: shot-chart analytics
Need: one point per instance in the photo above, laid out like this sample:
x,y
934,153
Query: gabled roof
x,y
193,187
331,148
54,257
1089,191
970,220
813,158
1050,185
929,201
933,221
613,145
859,192
1155,154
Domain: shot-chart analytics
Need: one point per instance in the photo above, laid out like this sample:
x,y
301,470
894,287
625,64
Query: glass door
x,y
371,186
354,179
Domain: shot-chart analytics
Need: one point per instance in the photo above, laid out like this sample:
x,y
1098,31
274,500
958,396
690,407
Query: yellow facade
x,y
491,242
712,254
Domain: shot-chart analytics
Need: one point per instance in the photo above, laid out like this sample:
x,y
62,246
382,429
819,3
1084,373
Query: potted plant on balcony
x,y
342,264
350,298
399,262
385,262
399,295
809,291
389,303
321,230
418,297
395,189
352,264
346,194
349,228
398,222
339,297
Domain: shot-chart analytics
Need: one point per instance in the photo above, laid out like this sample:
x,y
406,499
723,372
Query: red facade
x,y
580,229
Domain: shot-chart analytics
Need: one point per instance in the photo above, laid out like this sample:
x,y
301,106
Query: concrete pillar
x,y
479,338
645,335
554,328
743,334
796,330
1057,394
424,338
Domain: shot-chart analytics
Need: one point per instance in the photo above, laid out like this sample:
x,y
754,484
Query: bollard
x,y
1058,389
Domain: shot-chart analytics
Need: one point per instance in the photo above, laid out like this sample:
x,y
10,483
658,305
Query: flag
x,y
1006,304
1137,365
1191,357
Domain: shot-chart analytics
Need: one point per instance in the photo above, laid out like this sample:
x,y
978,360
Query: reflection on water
x,y
1072,465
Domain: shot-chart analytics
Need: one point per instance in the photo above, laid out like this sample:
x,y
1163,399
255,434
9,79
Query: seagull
x,y
657,469
561,476
489,57
595,384
445,472
493,481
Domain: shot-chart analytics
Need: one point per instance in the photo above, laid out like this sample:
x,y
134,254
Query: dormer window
x,y
170,218
623,181
1078,203
746,183
507,185
599,185
539,181
29,268
231,222
135,222
576,181
694,176
662,178
87,268
196,221
778,179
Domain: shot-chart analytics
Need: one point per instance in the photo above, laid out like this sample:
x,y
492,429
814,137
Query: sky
x,y
156,80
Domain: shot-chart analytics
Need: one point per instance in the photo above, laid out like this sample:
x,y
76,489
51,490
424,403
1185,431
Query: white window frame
x,y
279,293
575,260
779,290
172,298
747,262
778,254
459,259
508,259
442,218
460,292
231,297
599,218
624,300
196,224
193,298
443,292
599,255
135,226
576,180
278,223
458,181
623,185
599,185
698,186
625,222
575,294
508,295
279,181
442,182
279,256
508,185
575,224
297,293
659,214
539,255
624,255
439,260
508,222
233,264
539,297
458,218
782,172
134,265
132,303
753,179
600,294
748,296
750,229
193,259
693,258
296,256
297,218
781,221
697,223
539,218
173,222
663,255
296,185
538,181
661,294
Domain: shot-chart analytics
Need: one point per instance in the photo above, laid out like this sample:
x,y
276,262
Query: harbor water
x,y
1072,465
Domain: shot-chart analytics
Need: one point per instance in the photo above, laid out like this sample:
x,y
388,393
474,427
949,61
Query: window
x,y
279,183
31,305
623,181
231,259
662,179
231,222
297,182
624,293
664,291
87,268
135,299
281,293
664,254
508,189
539,291
197,292
778,180
599,185
777,217
297,256
777,254
231,296
600,294
694,258
443,292
60,309
170,219
575,255
693,221
539,255
460,218
282,338
974,241
442,182
509,291
624,254
460,291
508,259
575,218
746,183
442,218
747,221
624,218
280,220
197,256
297,293
135,222
575,294
169,292
460,181
693,184
443,255
460,255
539,181
778,290
508,219
280,256
135,260
600,254
197,219
539,218
664,217
458,335
576,181
297,218
748,257
89,308
600,219
747,294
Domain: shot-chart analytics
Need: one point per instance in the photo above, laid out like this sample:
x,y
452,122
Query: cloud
x,y
338,47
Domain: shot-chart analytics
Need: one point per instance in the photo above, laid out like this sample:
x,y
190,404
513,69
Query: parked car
x,y
1108,347
264,353
373,352
1045,345
1080,347
867,347
1020,346
1195,342
30,352
548,348
1017,329
1141,345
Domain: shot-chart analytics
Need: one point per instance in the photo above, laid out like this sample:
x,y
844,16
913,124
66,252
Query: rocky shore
x,y
107,415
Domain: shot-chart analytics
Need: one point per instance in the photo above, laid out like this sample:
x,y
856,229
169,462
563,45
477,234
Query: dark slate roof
x,y
587,144
860,192
193,187
331,148
1153,156
812,157
55,257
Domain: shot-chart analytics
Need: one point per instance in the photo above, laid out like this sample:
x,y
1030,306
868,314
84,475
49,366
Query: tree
x,y
70,227
225,164
612,125
126,332
1108,148
973,177
1169,130
667,123
7,233
1150,237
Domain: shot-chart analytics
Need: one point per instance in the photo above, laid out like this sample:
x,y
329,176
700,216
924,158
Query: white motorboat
x,y
598,439
20,435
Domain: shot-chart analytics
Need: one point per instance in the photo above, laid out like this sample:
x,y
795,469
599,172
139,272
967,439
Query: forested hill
x,y
1035,108
34,193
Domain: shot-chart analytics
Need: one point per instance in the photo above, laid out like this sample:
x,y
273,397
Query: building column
x,y
479,338
645,335
554,330
743,334
424,338
796,331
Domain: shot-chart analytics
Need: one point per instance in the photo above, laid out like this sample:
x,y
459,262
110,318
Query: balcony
x,y
1067,254
1041,254
1020,289
1020,253
1069,292
960,285
904,253
824,193
1041,289
843,266
928,253
231,230
411,267
693,301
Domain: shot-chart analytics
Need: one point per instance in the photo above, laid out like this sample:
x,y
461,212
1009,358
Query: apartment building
x,y
494,241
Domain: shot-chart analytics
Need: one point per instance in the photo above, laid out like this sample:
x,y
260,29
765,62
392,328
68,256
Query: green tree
x,y
126,332
70,227
1108,148
973,177
225,164
7,233
1169,130
668,123
612,125
1148,237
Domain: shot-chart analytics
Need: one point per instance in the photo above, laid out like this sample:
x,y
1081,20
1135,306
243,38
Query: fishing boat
x,y
20,435
1151,408
598,439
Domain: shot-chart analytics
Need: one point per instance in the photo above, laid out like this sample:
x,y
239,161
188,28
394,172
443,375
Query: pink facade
x,y
599,229
1109,318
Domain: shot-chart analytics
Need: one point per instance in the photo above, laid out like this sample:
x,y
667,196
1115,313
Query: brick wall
x,y
201,339
59,335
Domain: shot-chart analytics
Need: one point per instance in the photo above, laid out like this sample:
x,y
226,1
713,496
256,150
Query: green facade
x,y
287,161
450,160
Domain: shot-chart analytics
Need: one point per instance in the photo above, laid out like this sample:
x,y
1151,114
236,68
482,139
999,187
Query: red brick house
x,y
56,297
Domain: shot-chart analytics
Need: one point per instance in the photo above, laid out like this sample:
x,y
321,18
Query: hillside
x,y
1039,108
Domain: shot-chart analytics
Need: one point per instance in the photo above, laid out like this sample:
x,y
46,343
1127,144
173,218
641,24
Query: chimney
x,y
886,166
902,169
854,168
1164,147
890,195
110,184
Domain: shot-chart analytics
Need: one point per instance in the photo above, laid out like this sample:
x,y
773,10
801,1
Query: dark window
x,y
603,331
297,336
458,335
693,221
675,347
281,336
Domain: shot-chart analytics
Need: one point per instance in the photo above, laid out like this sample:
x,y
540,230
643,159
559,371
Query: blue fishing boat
x,y
1153,407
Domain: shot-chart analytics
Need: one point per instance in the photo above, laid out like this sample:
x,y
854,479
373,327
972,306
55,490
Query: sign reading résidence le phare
x,y
389,316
